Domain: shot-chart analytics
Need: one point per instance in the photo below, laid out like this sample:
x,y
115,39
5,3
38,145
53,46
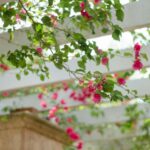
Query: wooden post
x,y
24,131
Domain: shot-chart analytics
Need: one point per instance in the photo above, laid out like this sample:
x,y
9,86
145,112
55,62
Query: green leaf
x,y
120,14
108,86
105,30
46,20
117,32
18,76
42,77
144,55
127,54
50,2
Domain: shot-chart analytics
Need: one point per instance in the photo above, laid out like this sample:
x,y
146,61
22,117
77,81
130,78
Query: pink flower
x,y
121,81
57,120
66,108
5,94
18,18
100,51
137,47
74,136
69,120
97,1
91,89
86,15
63,102
72,95
80,145
97,98
54,96
4,67
105,60
52,112
65,86
137,65
40,96
99,87
23,11
82,5
137,54
39,50
69,130
43,104
81,82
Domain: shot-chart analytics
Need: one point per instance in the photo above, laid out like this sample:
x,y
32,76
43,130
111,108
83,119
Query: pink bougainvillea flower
x,y
79,145
73,94
81,98
137,54
91,89
40,96
69,120
81,82
82,5
57,120
105,60
63,102
18,18
74,136
99,87
97,1
137,65
69,130
5,94
54,96
43,104
4,67
137,47
23,11
86,15
96,98
39,50
100,51
52,112
116,75
66,108
65,86
54,109
121,81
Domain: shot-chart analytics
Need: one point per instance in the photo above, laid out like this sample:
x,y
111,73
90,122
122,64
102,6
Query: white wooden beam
x,y
142,86
9,81
136,16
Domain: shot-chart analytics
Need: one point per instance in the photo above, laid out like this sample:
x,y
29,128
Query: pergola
x,y
136,17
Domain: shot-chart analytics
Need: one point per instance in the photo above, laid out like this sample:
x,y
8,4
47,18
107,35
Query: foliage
x,y
50,20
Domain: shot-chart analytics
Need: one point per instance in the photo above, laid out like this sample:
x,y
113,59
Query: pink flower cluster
x,y
4,67
72,134
105,60
121,81
84,13
137,65
88,92
39,50
97,1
